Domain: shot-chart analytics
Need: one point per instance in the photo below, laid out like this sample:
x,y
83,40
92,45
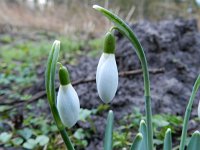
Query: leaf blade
x,y
137,142
108,139
168,140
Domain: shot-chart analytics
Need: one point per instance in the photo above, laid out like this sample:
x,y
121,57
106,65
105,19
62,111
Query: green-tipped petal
x,y
168,140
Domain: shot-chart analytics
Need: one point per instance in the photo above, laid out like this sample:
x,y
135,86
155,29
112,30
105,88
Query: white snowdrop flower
x,y
67,100
107,73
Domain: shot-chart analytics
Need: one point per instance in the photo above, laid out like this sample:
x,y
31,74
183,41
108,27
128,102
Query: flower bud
x,y
107,73
67,100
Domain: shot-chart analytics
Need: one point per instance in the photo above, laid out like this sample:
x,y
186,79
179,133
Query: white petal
x,y
68,105
107,78
102,60
199,110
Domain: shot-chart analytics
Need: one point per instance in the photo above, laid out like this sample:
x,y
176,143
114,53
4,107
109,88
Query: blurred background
x,y
69,16
168,29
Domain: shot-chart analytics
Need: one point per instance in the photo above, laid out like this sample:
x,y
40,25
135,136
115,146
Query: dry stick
x,y
83,81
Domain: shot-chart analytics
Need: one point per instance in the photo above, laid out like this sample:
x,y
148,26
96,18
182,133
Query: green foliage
x,y
26,133
143,131
137,142
4,108
17,141
22,64
6,39
79,138
108,139
194,141
168,140
96,46
130,123
5,137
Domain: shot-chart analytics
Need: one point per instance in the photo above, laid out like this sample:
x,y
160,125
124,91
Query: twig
x,y
128,17
83,81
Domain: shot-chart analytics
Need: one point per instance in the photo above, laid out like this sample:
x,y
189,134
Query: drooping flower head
x,y
67,100
107,73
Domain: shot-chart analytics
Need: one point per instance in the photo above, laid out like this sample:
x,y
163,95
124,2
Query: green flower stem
x,y
50,89
126,30
188,112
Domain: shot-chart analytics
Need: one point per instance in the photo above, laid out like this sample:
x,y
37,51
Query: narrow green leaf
x,y
143,131
108,139
53,70
168,140
194,143
50,89
188,112
137,142
50,72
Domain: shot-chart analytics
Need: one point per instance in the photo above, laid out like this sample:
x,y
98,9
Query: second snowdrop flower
x,y
107,73
67,100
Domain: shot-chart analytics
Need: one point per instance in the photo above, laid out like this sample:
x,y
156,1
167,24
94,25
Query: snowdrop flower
x,y
67,100
107,73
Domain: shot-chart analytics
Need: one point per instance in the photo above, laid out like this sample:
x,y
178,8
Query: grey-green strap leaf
x,y
168,140
50,89
137,142
194,143
143,131
108,139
